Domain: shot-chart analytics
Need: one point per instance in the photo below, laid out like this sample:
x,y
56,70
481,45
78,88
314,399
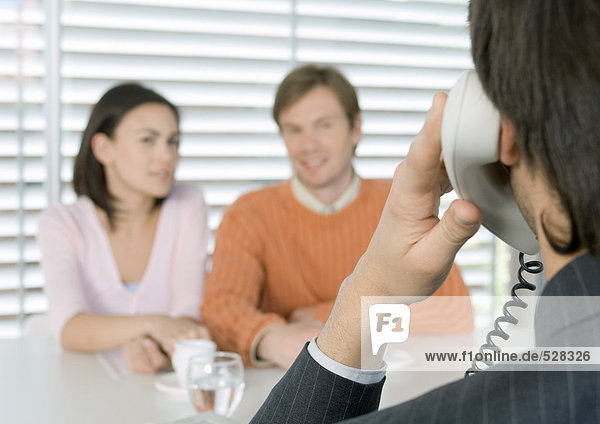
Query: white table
x,y
39,383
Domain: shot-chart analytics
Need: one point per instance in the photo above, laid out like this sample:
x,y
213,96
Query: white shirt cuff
x,y
355,374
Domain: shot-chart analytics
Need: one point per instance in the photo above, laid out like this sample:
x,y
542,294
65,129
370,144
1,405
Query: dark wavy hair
x,y
539,62
89,178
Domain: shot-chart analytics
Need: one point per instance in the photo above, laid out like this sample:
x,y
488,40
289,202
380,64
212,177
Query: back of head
x,y
539,62
88,174
304,78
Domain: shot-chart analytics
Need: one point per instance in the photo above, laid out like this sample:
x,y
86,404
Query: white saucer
x,y
168,383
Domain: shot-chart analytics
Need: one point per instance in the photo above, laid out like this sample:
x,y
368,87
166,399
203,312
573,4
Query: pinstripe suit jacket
x,y
308,393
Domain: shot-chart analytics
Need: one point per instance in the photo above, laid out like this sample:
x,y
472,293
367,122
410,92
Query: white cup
x,y
184,349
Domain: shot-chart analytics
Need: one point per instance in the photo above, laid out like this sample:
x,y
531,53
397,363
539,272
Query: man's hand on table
x,y
283,342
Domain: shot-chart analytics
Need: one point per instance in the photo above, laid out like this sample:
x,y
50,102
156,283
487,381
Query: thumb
x,y
460,222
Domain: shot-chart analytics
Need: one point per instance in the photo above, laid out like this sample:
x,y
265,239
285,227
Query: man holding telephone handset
x,y
539,63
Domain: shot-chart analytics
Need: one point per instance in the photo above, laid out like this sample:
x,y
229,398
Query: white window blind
x,y
22,155
220,61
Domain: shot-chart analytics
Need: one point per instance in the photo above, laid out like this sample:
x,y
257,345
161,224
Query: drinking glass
x,y
216,382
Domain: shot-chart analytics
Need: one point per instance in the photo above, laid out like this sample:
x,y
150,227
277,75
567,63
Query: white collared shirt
x,y
310,201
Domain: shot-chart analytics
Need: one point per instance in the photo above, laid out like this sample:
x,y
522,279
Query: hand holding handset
x,y
470,135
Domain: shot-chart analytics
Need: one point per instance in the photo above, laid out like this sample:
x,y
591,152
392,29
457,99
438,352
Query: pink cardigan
x,y
81,274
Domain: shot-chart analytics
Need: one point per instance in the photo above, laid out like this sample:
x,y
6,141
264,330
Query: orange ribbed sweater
x,y
273,255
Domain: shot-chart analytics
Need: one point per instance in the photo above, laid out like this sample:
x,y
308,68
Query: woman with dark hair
x,y
124,265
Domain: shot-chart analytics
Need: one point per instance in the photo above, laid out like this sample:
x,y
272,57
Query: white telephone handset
x,y
470,133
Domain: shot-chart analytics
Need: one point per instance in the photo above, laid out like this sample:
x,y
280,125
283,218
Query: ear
x,y
508,152
103,149
356,130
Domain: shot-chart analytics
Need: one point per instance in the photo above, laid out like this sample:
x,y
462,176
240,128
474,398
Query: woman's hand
x,y
143,355
166,331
